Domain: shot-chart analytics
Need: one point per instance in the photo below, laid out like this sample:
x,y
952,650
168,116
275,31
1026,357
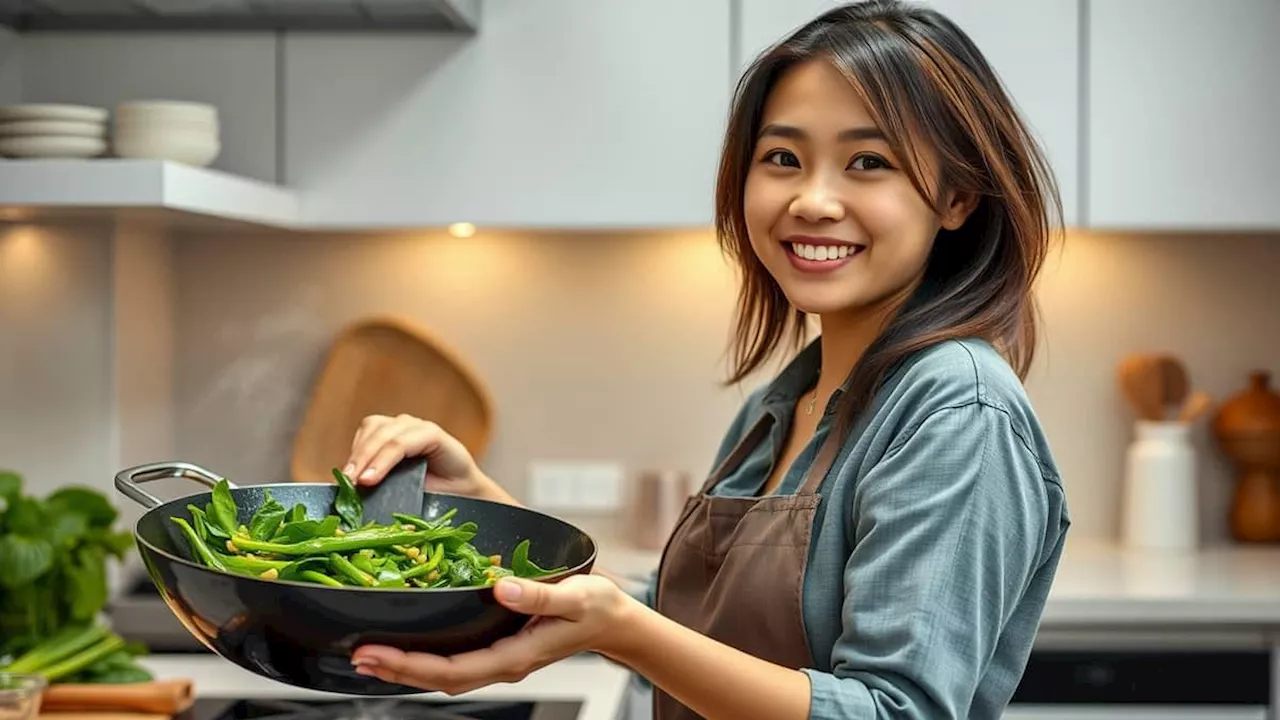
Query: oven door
x,y
1133,712
1146,682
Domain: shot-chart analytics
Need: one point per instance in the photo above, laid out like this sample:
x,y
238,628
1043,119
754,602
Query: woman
x,y
885,517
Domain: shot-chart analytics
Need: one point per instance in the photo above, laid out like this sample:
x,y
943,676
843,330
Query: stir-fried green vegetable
x,y
342,549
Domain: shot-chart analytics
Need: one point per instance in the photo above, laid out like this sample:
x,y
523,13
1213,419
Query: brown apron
x,y
733,568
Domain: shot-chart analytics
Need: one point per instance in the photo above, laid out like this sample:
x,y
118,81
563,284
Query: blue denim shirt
x,y
936,541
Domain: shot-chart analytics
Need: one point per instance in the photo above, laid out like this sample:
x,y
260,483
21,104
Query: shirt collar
x,y
798,376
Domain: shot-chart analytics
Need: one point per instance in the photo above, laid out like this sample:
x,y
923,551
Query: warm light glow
x,y
22,254
462,230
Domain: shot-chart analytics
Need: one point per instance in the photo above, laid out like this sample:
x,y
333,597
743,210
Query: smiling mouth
x,y
822,253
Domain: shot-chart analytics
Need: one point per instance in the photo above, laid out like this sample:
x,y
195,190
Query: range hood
x,y
457,16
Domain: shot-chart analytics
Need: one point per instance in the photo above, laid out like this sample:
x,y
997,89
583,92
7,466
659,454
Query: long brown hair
x,y
926,85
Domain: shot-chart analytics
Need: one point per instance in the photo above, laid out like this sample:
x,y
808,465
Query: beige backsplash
x,y
610,346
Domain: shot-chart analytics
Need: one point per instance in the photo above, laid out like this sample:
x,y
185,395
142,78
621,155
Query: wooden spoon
x,y
1143,385
1174,382
1196,405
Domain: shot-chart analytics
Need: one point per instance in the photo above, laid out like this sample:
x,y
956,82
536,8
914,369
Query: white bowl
x,y
70,128
52,146
189,148
149,124
53,111
177,110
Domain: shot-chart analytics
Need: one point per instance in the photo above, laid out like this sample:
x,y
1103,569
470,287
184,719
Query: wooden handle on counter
x,y
101,715
161,697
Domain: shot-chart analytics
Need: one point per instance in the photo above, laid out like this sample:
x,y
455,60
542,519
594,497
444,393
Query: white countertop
x,y
1102,583
595,682
1099,582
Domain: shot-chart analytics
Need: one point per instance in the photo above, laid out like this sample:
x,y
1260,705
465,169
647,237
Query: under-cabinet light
x,y
462,230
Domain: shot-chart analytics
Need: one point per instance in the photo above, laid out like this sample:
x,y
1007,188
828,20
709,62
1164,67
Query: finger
x,y
508,660
451,675
385,446
361,450
564,600
405,437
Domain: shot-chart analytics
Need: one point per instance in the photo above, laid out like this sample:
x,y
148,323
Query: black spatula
x,y
401,491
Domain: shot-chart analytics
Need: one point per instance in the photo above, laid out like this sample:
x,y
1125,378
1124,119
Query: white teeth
x,y
822,252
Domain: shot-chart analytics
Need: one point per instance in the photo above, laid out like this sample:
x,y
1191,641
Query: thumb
x,y
538,598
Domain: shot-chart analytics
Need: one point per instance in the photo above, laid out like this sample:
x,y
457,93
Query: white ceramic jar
x,y
1160,507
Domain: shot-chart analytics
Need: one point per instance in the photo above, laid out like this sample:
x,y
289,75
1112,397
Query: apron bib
x,y
733,568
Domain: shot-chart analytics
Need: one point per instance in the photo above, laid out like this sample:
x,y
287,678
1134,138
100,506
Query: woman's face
x,y
830,211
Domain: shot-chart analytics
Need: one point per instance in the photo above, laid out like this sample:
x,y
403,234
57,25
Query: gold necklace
x,y
813,398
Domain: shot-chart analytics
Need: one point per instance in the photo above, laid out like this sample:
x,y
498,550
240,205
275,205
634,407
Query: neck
x,y
845,339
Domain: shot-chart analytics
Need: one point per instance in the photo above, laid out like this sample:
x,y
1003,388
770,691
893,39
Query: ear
x,y
958,208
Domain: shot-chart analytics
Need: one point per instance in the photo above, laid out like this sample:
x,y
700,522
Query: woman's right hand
x,y
383,441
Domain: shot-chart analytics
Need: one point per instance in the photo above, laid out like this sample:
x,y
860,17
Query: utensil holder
x,y
1160,497
658,496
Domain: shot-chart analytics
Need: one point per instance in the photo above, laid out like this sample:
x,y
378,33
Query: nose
x,y
816,201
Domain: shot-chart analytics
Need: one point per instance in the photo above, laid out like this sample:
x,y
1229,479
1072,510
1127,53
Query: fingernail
x,y
367,474
509,591
364,661
350,468
366,670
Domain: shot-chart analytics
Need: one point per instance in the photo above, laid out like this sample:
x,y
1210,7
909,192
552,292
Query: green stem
x,y
358,540
251,563
439,523
355,574
76,663
198,546
437,554
319,577
64,644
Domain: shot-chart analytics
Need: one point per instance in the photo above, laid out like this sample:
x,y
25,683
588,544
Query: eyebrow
x,y
794,133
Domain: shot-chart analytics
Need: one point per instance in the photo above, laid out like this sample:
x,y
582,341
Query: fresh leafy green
x,y
522,566
267,518
54,555
222,511
84,652
348,505
343,550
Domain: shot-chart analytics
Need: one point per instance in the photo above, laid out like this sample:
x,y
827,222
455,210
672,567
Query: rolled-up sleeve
x,y
947,529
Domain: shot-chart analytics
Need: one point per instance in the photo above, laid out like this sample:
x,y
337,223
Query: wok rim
x,y
170,557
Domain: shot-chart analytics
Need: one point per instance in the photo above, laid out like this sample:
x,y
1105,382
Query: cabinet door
x,y
1032,44
1183,101
559,113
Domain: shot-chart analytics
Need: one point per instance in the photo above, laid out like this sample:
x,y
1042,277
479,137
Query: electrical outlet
x,y
575,486
599,486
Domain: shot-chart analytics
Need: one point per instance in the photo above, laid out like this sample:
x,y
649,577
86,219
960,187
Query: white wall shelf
x,y
32,189
454,16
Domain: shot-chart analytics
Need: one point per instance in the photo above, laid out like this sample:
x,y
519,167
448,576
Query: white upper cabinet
x,y
1184,97
1032,44
559,113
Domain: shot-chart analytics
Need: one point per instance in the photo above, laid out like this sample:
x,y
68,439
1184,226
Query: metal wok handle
x,y
127,480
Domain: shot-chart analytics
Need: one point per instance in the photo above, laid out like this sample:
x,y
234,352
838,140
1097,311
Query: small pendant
x,y
808,409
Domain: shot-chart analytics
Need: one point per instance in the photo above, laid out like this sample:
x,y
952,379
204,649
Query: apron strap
x,y
821,464
740,452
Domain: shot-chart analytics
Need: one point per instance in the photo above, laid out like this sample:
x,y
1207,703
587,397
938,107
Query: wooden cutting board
x,y
155,700
388,366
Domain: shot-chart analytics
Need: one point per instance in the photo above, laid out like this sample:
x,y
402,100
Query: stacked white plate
x,y
52,130
184,132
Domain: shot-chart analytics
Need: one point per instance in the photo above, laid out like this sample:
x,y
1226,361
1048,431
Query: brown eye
x,y
869,162
783,158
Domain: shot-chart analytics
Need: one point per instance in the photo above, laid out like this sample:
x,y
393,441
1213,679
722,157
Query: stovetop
x,y
379,709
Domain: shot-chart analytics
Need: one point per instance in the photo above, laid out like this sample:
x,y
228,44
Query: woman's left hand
x,y
572,616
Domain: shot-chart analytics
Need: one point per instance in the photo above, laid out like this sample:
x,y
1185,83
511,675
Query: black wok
x,y
302,633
